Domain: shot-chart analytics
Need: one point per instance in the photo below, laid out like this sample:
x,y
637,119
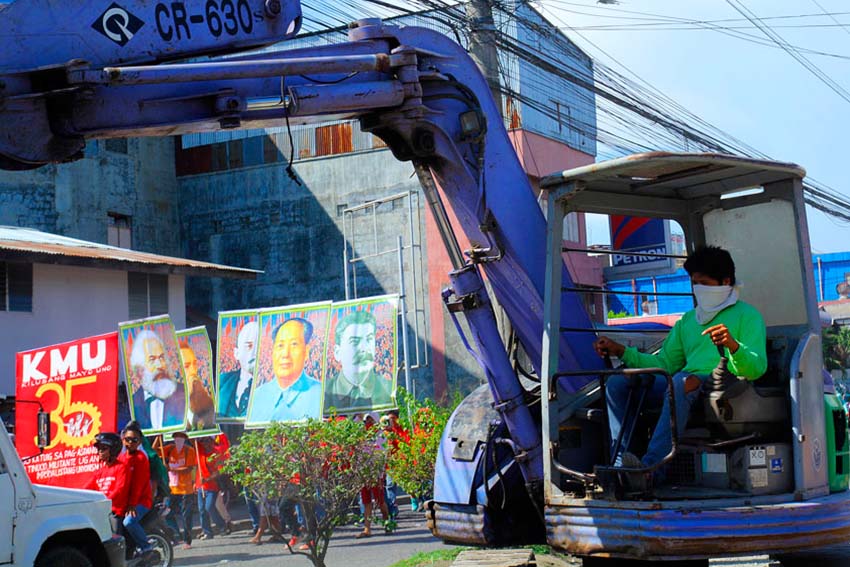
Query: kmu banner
x,y
77,383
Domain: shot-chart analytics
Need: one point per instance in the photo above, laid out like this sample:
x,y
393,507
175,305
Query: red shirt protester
x,y
139,471
209,461
112,481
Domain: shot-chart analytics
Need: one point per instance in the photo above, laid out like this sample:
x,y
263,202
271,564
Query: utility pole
x,y
482,49
482,45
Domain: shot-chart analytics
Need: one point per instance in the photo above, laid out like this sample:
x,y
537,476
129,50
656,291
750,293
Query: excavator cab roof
x,y
666,184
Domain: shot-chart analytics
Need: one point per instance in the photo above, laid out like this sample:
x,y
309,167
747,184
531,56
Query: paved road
x,y
378,551
412,536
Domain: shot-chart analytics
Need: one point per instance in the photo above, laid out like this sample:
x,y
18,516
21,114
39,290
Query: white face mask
x,y
711,299
179,442
710,296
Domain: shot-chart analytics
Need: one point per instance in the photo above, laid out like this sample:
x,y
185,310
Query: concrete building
x,y
227,198
55,289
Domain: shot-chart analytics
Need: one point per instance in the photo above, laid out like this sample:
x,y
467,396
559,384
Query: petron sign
x,y
633,236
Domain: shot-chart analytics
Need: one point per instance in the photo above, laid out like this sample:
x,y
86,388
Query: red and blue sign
x,y
637,235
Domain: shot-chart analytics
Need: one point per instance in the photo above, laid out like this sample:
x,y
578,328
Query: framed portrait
x,y
156,385
236,358
196,357
360,372
290,364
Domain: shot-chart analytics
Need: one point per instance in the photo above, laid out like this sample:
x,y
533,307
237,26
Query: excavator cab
x,y
761,465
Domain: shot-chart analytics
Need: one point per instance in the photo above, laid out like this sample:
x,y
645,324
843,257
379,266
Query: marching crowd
x,y
184,475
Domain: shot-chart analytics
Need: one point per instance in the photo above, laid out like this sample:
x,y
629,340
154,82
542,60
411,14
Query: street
x,y
380,550
411,537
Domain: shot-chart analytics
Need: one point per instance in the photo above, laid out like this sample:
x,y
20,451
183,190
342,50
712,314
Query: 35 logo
x,y
74,423
118,24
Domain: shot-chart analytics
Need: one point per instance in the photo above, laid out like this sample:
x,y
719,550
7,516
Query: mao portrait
x,y
289,368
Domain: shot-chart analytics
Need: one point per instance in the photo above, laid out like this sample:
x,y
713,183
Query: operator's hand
x,y
131,512
721,336
604,345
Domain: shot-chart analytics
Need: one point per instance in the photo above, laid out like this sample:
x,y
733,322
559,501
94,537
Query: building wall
x,y
257,217
133,177
832,275
70,302
563,109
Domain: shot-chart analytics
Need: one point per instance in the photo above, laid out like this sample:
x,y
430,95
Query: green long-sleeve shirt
x,y
686,348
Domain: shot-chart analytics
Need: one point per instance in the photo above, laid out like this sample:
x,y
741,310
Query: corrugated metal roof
x,y
18,243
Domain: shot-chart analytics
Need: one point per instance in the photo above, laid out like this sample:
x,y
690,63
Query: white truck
x,y
48,526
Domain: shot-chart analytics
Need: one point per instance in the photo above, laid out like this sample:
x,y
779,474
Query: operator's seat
x,y
745,407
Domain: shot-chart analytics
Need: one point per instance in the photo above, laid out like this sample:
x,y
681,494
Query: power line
x,y
811,67
631,115
831,16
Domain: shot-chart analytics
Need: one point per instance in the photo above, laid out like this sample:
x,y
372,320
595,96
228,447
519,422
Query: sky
x,y
759,94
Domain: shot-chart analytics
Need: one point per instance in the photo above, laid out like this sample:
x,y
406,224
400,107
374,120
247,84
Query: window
x,y
148,294
219,156
117,145
119,232
562,115
15,286
571,228
234,154
271,153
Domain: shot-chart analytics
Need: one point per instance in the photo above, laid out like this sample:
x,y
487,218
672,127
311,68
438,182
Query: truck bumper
x,y
114,549
659,530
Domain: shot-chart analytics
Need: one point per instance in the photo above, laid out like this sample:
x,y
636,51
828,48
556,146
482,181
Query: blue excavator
x,y
527,458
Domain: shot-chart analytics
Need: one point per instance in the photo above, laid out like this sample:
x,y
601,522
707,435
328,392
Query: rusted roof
x,y
26,244
675,175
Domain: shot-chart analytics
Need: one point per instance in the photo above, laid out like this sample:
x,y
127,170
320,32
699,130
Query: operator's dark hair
x,y
306,325
713,261
354,318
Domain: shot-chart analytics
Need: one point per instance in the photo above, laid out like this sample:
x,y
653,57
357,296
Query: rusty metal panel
x,y
193,161
271,153
304,141
459,524
334,139
671,530
234,154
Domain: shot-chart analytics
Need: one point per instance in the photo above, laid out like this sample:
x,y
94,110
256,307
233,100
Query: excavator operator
x,y
689,353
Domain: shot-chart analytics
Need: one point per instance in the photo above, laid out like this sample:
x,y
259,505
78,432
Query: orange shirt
x,y
180,481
